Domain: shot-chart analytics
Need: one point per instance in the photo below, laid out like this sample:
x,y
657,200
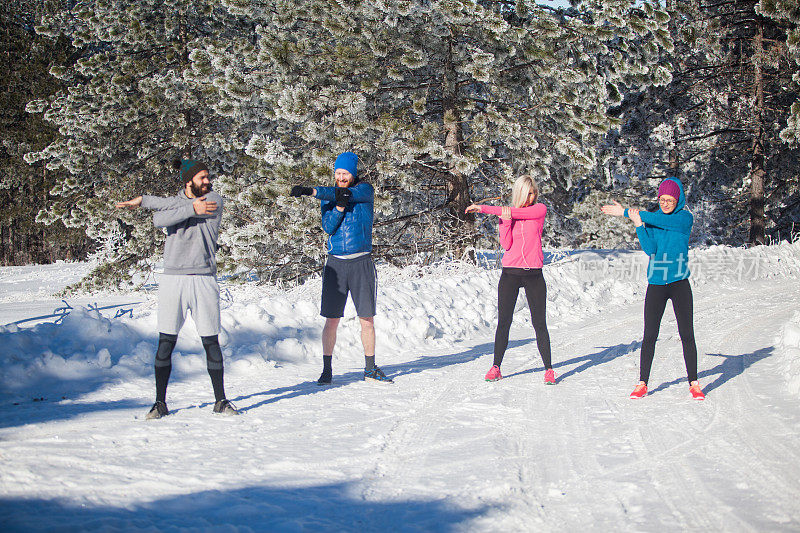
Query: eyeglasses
x,y
665,200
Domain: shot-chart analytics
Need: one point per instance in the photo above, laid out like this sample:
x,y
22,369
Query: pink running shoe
x,y
549,377
697,392
639,391
493,374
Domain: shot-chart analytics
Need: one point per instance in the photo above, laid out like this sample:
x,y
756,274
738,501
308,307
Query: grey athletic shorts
x,y
198,294
356,276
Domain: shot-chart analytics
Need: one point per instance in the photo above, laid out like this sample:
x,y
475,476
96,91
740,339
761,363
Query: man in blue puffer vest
x,y
347,214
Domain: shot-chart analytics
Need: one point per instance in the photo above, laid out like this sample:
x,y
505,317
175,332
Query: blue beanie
x,y
347,161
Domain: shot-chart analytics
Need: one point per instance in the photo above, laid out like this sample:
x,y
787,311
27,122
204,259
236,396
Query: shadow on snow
x,y
334,507
420,364
730,367
45,410
584,362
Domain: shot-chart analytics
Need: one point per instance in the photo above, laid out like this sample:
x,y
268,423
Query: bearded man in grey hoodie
x,y
189,282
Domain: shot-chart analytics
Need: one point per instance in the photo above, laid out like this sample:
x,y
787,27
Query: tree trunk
x,y
757,178
457,184
13,246
757,173
183,37
674,166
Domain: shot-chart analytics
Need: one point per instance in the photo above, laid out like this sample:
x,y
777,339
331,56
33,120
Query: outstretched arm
x,y
536,211
200,208
362,192
171,211
681,221
157,203
165,218
615,209
506,222
209,206
130,204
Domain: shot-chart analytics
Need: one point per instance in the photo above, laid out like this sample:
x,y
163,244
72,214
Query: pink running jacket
x,y
521,236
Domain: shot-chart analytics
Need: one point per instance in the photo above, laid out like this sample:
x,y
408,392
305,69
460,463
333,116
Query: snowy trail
x,y
441,449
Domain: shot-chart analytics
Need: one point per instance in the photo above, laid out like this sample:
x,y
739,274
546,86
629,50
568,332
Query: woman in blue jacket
x,y
664,236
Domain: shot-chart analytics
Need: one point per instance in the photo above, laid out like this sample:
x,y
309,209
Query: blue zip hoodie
x,y
665,238
351,230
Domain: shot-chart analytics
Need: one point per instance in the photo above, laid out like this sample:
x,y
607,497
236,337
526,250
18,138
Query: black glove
x,y
299,190
343,195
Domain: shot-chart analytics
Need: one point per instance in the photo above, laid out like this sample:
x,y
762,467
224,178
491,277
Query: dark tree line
x,y
25,60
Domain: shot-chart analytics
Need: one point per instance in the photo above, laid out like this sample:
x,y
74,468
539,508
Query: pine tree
x,y
786,14
445,101
722,123
131,106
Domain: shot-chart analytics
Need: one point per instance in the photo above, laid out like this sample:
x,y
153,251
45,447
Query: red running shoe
x,y
493,374
639,392
697,392
549,377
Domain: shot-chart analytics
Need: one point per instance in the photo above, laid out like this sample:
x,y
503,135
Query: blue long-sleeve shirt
x,y
665,238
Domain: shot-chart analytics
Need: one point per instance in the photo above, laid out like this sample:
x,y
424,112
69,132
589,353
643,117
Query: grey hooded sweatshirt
x,y
191,238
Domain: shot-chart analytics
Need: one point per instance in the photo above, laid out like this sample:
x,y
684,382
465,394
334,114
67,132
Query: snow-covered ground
x,y
440,449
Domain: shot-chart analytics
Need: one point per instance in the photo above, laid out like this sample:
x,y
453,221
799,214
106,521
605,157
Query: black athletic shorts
x,y
356,276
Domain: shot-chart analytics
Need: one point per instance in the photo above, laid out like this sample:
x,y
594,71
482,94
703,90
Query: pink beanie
x,y
669,187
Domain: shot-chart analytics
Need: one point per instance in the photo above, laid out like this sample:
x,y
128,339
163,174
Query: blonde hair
x,y
522,187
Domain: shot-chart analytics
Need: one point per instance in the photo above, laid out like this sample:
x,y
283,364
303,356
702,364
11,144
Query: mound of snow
x,y
419,307
84,345
788,344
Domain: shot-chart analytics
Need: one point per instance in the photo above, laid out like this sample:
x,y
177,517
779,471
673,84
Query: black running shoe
x,y
326,378
376,374
158,410
225,407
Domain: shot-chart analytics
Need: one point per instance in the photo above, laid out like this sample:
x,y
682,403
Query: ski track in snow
x,y
439,450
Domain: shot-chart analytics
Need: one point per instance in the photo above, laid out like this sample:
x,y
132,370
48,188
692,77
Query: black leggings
x,y
166,343
655,301
511,280
163,364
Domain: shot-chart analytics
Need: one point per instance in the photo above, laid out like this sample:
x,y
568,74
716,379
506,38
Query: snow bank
x,y
81,347
788,345
418,308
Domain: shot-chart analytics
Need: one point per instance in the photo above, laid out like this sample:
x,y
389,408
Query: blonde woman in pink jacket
x,y
521,237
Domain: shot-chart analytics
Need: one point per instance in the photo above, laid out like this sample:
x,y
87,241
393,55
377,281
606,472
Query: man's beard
x,y
202,190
